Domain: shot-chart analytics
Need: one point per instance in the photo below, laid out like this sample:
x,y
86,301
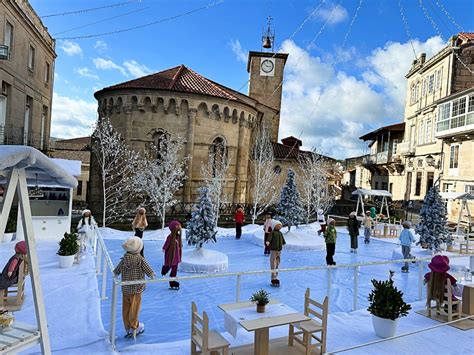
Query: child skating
x,y
330,236
367,222
133,267
267,229
173,249
275,243
406,240
353,227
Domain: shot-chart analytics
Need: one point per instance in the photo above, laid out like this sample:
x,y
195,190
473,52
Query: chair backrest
x,y
200,326
313,308
21,280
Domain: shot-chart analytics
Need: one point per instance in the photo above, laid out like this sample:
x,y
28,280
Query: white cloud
x,y
136,69
333,14
72,117
107,64
71,48
101,46
238,51
85,72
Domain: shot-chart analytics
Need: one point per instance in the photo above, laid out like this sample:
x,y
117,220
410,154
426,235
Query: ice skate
x,y
129,334
275,283
139,330
174,285
405,269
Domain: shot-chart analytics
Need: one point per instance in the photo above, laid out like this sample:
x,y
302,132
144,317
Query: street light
x,y
3,52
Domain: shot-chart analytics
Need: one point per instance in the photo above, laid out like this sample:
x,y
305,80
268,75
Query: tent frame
x,y
360,202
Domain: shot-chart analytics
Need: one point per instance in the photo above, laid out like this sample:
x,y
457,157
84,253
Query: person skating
x,y
11,271
321,221
86,229
239,218
330,238
275,243
133,267
353,226
367,222
173,249
267,229
406,240
139,225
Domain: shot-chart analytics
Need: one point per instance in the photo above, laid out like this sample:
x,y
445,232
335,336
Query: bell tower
x,y
266,79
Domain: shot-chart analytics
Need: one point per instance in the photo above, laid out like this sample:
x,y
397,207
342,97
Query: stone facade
x,y
26,76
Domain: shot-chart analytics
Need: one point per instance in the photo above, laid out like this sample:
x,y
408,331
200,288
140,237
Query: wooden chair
x,y
209,342
446,308
467,244
312,329
12,298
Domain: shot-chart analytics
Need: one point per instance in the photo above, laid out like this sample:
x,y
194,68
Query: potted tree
x,y
68,248
386,306
261,298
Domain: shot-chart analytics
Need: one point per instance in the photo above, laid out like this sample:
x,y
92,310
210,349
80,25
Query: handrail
x,y
105,252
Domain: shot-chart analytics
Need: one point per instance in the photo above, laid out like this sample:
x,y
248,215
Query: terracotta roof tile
x,y
281,151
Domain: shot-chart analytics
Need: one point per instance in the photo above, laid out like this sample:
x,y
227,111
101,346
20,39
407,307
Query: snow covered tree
x,y
432,228
117,164
289,210
313,179
161,174
202,227
264,186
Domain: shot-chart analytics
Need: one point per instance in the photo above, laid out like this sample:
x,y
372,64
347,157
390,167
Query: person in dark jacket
x,y
11,270
275,243
330,237
353,226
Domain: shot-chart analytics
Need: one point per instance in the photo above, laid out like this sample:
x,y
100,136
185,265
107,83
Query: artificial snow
x,y
203,261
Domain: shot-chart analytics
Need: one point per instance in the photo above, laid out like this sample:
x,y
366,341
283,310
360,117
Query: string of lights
x,y
352,23
407,28
83,11
448,15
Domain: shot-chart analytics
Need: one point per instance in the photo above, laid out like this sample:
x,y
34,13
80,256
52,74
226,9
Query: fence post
x,y
420,280
104,280
98,260
237,295
356,286
113,314
329,287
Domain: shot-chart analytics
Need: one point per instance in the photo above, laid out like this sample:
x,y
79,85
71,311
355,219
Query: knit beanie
x,y
86,211
133,245
173,225
20,247
275,222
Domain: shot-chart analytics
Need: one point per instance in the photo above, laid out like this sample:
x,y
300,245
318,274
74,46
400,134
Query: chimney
x,y
422,58
292,142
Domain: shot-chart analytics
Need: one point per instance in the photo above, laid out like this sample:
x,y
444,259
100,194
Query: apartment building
x,y
27,55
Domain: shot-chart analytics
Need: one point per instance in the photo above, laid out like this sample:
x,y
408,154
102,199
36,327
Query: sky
x,y
345,74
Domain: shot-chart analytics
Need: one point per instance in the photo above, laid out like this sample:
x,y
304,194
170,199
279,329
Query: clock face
x,y
267,66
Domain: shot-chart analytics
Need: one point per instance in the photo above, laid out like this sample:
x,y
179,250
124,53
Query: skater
x,y
353,226
373,213
406,240
437,277
133,267
86,229
321,221
139,224
173,249
367,222
330,238
267,229
275,243
9,275
239,219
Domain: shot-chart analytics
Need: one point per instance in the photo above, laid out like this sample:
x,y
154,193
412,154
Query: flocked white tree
x,y
265,179
316,193
117,163
202,227
432,228
161,174
290,210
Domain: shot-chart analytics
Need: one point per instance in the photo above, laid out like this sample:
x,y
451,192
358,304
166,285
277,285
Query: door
x,y
3,117
408,189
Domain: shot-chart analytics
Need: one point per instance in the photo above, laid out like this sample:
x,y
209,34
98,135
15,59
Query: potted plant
x,y
68,248
261,298
386,306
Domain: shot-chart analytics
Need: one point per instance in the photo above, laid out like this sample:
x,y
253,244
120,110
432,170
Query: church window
x,y
218,155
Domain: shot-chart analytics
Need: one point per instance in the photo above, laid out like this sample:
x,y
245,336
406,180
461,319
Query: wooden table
x,y
261,326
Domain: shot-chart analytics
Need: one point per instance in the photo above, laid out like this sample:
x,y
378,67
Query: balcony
x,y
406,148
455,126
18,136
378,158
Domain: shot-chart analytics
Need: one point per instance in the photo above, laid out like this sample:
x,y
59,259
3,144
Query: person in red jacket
x,y
239,219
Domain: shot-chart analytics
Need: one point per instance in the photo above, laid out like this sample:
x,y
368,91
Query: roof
x,y
281,151
79,143
180,79
468,36
397,127
366,192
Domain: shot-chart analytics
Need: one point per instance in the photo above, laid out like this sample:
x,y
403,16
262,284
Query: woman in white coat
x,y
86,229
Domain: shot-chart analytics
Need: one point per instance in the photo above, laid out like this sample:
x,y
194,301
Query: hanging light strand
x,y
448,15
407,28
83,11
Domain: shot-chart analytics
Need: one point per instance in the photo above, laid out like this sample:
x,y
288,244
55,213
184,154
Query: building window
x,y
428,132
47,69
453,157
277,170
31,58
418,184
429,181
27,119
376,185
421,133
384,186
394,146
471,104
459,107
423,90
469,189
218,154
438,78
448,187
431,79
159,140
79,188
390,187
8,37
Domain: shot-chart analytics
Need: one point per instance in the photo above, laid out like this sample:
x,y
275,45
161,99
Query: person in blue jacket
x,y
406,240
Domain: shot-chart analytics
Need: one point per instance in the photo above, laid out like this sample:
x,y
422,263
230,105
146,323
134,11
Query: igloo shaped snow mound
x,y
297,239
203,261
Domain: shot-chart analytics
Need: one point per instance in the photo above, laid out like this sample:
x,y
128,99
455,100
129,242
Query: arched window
x,y
234,116
218,155
119,104
134,102
216,112
159,140
277,169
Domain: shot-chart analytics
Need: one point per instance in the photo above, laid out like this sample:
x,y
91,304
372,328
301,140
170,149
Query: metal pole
x,y
356,286
113,314
98,260
329,287
420,280
237,295
104,281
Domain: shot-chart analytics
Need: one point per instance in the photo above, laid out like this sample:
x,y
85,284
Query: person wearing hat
x,y
86,229
239,218
353,226
275,244
173,249
139,224
330,237
406,240
10,273
437,277
133,267
367,222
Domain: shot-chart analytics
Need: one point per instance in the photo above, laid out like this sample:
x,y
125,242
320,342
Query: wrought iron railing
x,y
10,135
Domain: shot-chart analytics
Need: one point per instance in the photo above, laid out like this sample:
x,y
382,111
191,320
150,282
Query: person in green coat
x,y
330,236
373,212
275,243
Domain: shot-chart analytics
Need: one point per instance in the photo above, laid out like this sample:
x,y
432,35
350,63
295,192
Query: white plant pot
x,y
66,261
384,328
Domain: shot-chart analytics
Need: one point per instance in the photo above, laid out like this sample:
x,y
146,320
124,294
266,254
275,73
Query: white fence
x,y
104,265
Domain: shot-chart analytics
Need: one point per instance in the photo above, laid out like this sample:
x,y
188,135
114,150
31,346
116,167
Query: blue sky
x,y
332,93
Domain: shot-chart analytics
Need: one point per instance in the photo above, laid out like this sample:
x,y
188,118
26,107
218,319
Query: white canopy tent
x,y
21,166
465,198
362,193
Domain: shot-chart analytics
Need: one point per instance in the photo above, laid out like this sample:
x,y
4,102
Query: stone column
x,y
192,113
239,168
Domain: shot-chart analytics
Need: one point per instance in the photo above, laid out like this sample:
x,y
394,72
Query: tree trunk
x,y
104,202
163,212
